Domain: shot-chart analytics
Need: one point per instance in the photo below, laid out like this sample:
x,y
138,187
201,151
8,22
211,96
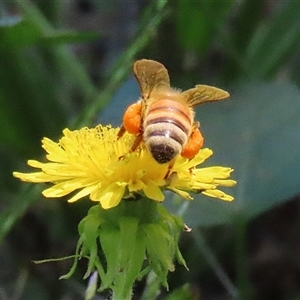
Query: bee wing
x,y
203,93
151,75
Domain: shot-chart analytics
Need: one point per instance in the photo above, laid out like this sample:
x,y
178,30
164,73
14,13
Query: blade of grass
x,y
9,216
153,16
70,65
274,41
215,265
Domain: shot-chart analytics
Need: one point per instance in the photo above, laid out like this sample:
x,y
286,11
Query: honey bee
x,y
163,118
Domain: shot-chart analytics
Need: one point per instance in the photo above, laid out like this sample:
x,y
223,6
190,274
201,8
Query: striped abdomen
x,y
167,125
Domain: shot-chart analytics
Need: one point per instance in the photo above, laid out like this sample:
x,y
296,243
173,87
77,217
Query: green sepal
x,y
135,237
176,226
87,244
74,266
124,250
110,243
133,250
159,252
89,231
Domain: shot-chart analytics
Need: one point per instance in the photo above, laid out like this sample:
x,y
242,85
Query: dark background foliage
x,y
68,64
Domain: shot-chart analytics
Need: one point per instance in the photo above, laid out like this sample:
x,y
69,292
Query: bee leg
x,y
170,166
121,132
194,143
136,142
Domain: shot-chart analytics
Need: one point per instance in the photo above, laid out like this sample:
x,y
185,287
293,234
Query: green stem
x,y
119,291
214,263
242,265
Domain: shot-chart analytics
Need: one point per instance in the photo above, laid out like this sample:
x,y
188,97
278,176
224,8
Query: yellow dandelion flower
x,y
94,162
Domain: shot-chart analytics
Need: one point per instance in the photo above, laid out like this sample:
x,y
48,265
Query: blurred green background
x,y
68,64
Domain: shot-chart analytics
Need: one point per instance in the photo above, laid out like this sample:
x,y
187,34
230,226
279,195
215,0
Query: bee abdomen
x,y
166,129
163,150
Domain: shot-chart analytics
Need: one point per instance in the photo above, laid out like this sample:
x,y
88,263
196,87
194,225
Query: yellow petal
x,y
218,194
112,196
95,162
82,193
181,193
109,194
152,191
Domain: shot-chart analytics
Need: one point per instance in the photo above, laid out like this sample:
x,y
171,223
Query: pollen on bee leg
x,y
193,145
132,118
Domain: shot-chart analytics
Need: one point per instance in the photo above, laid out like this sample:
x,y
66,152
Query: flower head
x,y
94,162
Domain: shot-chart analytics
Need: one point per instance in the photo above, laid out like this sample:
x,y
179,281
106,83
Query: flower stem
x,y
119,292
242,266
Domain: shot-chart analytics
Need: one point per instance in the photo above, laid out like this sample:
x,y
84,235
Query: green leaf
x,y
18,206
18,32
61,59
257,132
30,99
10,131
250,14
68,37
274,41
197,22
